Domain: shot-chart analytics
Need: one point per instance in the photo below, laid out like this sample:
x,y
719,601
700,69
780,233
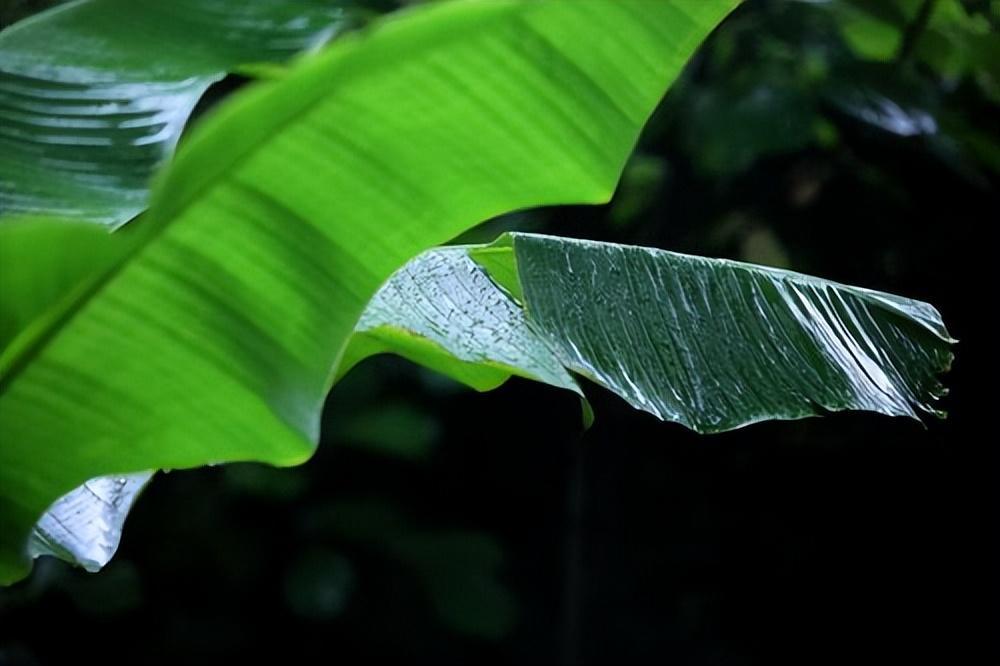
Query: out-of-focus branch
x,y
913,31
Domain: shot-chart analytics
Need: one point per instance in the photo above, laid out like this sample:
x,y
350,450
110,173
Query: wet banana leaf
x,y
85,526
708,343
95,94
217,336
443,311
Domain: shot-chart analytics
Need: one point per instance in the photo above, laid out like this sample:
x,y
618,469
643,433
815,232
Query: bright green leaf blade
x,y
42,266
440,310
94,94
218,338
708,343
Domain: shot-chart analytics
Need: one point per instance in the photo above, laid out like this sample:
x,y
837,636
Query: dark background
x,y
858,141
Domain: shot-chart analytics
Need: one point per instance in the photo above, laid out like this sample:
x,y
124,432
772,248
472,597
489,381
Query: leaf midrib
x,y
157,225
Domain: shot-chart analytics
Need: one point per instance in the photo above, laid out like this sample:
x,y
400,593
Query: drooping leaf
x,y
94,94
217,337
441,310
85,525
708,343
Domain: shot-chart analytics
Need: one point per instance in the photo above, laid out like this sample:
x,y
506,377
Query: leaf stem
x,y
914,30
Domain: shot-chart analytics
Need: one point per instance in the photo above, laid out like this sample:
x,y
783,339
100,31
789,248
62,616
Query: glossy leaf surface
x,y
443,311
217,337
85,526
94,94
708,343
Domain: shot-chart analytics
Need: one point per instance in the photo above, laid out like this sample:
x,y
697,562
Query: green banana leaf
x,y
708,343
84,527
443,311
711,344
217,334
94,94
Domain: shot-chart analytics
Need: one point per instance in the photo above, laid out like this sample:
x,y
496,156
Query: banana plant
x,y
296,233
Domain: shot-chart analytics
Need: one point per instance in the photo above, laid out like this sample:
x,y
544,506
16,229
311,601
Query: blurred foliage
x,y
822,64
855,139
